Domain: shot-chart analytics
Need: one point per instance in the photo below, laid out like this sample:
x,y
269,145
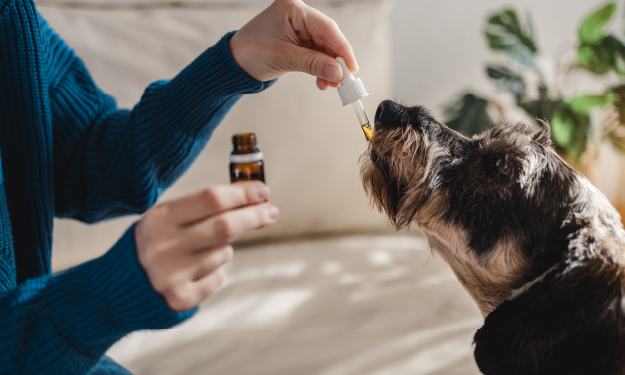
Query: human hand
x,y
291,36
182,244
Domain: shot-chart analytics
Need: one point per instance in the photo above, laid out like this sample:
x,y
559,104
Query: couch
x,y
331,288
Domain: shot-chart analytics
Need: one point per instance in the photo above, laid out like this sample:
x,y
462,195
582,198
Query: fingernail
x,y
332,73
262,191
273,212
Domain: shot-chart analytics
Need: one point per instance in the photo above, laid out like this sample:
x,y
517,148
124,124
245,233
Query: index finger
x,y
325,32
220,198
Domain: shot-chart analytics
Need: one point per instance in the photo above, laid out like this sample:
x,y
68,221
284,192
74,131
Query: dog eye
x,y
496,164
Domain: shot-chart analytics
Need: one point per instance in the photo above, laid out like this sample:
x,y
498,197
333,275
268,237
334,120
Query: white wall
x,y
439,49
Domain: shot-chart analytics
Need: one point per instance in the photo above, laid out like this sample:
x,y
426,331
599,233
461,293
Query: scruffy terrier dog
x,y
540,250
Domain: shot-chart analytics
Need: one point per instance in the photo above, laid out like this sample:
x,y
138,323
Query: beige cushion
x,y
310,142
349,305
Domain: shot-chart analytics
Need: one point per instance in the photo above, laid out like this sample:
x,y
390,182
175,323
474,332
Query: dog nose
x,y
388,112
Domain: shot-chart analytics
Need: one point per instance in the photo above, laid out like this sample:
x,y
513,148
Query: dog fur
x,y
539,249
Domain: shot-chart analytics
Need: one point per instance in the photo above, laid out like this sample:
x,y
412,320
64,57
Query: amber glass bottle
x,y
246,161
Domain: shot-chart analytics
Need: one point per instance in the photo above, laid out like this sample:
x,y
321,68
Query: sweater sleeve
x,y
110,162
63,324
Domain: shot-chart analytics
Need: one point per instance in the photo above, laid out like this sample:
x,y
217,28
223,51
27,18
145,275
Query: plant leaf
x,y
570,124
591,31
505,33
583,104
543,108
506,79
601,57
570,131
614,44
468,115
596,59
619,101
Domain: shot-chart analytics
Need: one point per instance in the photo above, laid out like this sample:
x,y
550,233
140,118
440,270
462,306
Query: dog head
x,y
492,206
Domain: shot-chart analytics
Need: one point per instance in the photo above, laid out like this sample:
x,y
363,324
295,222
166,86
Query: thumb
x,y
315,63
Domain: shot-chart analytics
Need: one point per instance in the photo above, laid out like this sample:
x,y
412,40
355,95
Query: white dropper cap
x,y
351,88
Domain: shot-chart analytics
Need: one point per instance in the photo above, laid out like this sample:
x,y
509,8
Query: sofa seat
x,y
342,305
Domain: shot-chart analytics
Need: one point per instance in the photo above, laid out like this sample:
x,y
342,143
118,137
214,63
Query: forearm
x,y
125,159
198,98
65,323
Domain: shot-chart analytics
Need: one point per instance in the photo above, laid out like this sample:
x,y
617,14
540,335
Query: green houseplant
x,y
597,53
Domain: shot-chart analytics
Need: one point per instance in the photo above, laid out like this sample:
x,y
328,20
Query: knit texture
x,y
66,150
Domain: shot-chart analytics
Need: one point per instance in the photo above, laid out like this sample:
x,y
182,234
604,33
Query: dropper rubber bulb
x,y
351,91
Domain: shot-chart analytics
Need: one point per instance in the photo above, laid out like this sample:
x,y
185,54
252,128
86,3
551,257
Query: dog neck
x,y
489,279
504,272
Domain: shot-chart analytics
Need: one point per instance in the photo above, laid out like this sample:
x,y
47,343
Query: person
x,y
66,150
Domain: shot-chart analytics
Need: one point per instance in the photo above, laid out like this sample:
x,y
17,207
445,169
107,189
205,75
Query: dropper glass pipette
x,y
364,121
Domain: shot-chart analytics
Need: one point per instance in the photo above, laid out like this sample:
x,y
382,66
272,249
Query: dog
x,y
539,249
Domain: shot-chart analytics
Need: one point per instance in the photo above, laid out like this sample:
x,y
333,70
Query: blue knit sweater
x,y
66,150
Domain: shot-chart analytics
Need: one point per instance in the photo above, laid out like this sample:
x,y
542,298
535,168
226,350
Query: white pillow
x,y
310,142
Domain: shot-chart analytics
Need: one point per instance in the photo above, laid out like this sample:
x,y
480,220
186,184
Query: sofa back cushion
x,y
311,143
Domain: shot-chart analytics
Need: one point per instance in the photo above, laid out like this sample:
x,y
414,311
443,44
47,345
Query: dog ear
x,y
544,135
570,323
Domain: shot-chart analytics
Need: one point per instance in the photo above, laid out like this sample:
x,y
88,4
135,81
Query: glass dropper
x,y
364,121
351,91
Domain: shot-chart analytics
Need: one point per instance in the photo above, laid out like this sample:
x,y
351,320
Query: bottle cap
x,y
351,88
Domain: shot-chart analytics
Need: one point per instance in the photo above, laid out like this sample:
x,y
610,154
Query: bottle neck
x,y
241,150
244,143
